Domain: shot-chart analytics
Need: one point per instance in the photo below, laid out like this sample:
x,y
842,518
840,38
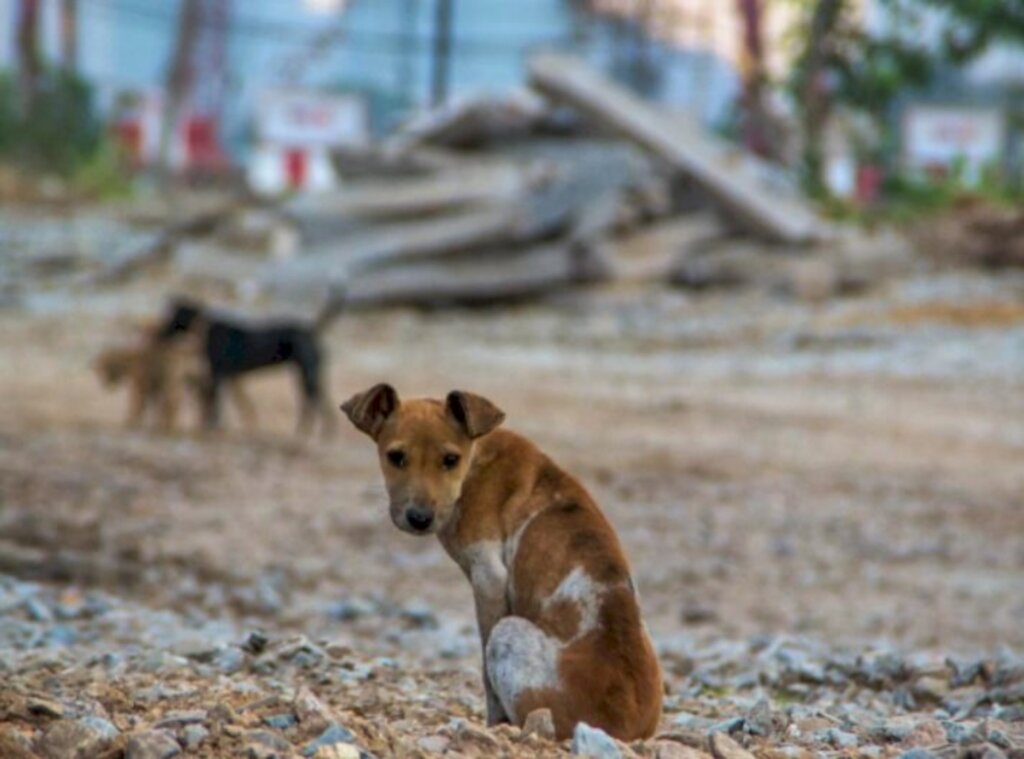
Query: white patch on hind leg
x,y
520,658
579,589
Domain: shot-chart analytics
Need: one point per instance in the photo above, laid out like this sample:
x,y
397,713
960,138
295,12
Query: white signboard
x,y
943,137
309,119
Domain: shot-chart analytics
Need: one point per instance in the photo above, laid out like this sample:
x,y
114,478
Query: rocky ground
x,y
822,503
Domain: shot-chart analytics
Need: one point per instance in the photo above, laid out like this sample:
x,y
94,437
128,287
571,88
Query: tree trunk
x,y
28,55
756,126
69,35
179,78
815,105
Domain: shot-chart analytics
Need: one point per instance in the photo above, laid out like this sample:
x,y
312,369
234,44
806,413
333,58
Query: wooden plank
x,y
447,190
766,211
513,275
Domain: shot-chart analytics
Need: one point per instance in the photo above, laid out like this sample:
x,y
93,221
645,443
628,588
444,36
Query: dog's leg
x,y
245,406
136,404
489,578
522,660
168,408
211,403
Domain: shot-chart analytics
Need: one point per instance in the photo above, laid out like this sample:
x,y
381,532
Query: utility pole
x,y
180,77
69,35
443,11
28,54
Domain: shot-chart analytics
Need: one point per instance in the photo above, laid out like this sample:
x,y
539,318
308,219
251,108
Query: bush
x,y
60,134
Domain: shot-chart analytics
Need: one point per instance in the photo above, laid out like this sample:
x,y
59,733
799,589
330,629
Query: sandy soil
x,y
842,472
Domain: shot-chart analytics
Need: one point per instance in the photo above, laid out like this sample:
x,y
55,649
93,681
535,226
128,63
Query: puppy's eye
x,y
397,458
450,461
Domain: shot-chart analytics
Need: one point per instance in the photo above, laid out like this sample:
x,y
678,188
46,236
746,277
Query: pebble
x,y
193,735
594,742
76,738
759,719
540,722
434,744
153,744
183,717
673,750
43,707
310,709
334,734
337,751
724,747
280,721
917,753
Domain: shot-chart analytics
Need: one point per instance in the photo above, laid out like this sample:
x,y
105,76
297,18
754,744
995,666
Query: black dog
x,y
234,347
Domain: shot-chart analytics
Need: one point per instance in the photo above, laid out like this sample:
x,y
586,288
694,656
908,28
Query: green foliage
x,y
58,133
978,24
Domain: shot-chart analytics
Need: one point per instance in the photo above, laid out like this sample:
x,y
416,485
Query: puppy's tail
x,y
337,297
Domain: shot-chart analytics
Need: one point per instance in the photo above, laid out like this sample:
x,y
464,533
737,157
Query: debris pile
x,y
977,234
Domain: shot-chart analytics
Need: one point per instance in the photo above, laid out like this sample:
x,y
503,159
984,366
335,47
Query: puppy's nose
x,y
419,519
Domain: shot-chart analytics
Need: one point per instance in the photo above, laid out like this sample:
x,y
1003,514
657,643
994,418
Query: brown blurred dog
x,y
557,610
160,375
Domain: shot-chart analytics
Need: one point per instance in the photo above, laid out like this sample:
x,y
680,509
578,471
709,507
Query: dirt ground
x,y
850,473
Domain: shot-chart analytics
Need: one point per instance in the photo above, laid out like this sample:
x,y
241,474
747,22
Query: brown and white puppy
x,y
555,603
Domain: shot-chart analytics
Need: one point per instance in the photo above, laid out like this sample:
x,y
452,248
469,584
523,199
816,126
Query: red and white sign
x,y
937,139
307,119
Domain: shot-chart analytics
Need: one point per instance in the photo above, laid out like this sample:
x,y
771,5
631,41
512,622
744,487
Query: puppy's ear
x,y
368,411
474,413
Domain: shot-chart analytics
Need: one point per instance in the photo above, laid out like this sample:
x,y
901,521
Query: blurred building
x,y
970,122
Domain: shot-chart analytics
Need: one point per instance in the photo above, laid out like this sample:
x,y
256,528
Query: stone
x,y
931,689
192,736
840,738
594,742
263,751
917,753
927,733
76,739
44,707
333,734
673,750
311,710
434,744
337,751
540,722
267,738
179,717
282,721
988,751
759,719
152,744
724,747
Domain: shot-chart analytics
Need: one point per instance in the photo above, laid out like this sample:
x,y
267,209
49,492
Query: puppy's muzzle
x,y
418,518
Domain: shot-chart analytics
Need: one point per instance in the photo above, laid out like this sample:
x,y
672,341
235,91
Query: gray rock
x,y
334,733
420,615
267,738
153,744
759,719
917,753
957,732
840,738
229,660
591,741
193,735
37,610
44,707
281,721
76,739
178,717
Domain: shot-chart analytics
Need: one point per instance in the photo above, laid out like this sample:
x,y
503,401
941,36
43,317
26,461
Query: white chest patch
x,y
486,570
579,589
